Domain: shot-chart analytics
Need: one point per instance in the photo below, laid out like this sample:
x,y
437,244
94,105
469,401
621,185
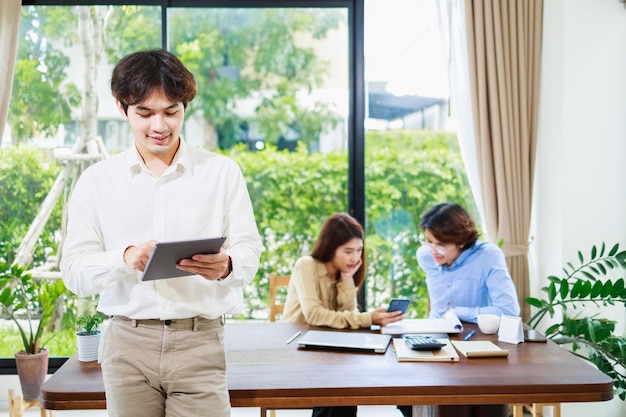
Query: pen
x,y
470,334
292,338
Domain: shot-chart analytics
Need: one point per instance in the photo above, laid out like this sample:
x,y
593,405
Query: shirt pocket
x,y
199,221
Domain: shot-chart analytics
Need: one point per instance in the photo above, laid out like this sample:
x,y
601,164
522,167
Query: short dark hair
x,y
339,229
139,74
450,223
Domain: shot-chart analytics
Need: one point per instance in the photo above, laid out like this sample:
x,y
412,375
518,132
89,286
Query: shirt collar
x,y
464,256
181,162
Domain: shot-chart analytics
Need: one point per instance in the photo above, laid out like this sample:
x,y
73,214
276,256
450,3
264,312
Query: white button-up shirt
x,y
118,203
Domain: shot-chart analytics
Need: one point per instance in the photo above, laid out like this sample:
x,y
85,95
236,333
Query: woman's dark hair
x,y
139,74
450,223
338,230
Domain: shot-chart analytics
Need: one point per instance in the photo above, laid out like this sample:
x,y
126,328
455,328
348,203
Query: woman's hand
x,y
382,317
349,273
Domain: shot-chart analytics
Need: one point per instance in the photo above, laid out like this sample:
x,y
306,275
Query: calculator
x,y
423,343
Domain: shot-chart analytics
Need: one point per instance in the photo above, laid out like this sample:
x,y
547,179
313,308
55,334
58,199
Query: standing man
x,y
163,353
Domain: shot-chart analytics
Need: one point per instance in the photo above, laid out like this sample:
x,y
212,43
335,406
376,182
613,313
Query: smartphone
x,y
398,304
533,336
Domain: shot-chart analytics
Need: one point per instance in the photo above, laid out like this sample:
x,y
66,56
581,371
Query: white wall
x,y
581,168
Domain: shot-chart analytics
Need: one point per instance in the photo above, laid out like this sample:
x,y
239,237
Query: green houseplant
x,y
88,336
30,304
89,324
590,283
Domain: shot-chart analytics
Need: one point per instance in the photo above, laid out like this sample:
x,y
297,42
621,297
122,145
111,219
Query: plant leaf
x,y
576,288
564,289
596,289
618,287
551,292
585,290
533,302
554,279
606,289
588,275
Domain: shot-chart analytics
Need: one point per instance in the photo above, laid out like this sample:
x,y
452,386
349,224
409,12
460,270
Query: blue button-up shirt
x,y
478,282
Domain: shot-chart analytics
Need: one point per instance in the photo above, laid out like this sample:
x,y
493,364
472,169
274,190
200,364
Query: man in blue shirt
x,y
464,274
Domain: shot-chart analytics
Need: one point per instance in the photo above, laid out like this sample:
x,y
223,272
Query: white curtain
x,y
453,28
495,50
9,24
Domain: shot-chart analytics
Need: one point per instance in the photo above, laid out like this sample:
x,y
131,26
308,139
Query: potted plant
x,y
30,304
88,336
590,283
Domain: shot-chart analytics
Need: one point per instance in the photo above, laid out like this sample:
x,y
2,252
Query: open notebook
x,y
354,341
405,354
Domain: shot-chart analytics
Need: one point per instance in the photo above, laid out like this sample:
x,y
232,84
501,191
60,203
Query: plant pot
x,y
88,346
32,370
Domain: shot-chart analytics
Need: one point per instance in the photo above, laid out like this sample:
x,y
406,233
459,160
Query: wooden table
x,y
263,371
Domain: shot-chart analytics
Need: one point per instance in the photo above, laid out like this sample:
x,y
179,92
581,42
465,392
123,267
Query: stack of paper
x,y
449,323
406,354
479,348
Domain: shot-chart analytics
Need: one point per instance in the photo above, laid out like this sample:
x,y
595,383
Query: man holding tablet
x,y
163,352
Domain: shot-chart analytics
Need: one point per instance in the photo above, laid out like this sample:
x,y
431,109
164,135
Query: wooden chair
x,y
535,410
276,308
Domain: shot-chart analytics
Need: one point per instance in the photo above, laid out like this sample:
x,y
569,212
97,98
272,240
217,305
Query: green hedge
x,y
293,193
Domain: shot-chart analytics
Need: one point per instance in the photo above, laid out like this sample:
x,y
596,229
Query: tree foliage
x,y
26,175
236,54
41,97
241,54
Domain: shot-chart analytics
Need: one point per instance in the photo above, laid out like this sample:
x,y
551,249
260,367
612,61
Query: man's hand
x,y
137,257
211,267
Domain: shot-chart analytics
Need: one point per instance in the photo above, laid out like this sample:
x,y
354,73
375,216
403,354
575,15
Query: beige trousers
x,y
176,368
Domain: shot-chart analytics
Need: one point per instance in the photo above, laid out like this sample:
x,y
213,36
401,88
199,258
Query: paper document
x,y
479,349
405,354
449,323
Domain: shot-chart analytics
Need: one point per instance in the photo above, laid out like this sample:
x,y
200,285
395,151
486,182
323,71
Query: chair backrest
x,y
276,281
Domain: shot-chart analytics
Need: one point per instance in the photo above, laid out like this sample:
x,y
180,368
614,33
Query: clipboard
x,y
165,256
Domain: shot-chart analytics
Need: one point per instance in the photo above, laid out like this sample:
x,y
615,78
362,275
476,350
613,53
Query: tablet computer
x,y
165,256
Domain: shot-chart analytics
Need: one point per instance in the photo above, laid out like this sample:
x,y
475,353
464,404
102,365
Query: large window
x,y
322,103
412,158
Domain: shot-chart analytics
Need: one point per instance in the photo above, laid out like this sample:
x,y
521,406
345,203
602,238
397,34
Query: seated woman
x,y
464,274
323,286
